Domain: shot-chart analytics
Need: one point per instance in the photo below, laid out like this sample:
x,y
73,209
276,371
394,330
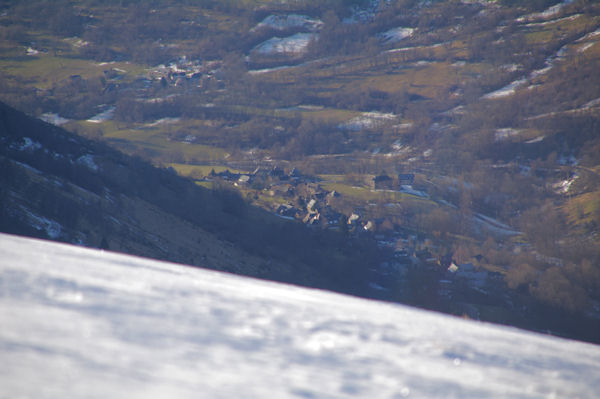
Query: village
x,y
306,200
295,196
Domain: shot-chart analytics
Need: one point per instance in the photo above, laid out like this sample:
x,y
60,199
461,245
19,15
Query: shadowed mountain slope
x,y
64,187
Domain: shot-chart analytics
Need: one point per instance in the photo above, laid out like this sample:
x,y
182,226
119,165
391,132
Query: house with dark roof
x,y
383,182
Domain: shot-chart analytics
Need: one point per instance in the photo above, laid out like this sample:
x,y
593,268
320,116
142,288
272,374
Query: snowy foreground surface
x,y
80,323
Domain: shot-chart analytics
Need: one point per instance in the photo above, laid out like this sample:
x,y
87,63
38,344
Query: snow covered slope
x,y
80,323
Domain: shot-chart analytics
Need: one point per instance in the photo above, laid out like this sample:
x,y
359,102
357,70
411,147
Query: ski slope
x,y
81,323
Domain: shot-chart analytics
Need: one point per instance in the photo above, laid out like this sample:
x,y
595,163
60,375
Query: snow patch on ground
x,y
539,72
507,90
512,87
396,34
158,100
458,110
546,14
591,104
377,287
190,138
54,119
28,145
535,140
76,42
404,49
308,107
563,186
404,126
82,323
585,47
408,189
585,107
295,44
163,121
423,63
553,21
367,120
103,116
88,161
511,67
506,133
589,36
28,167
494,225
283,22
267,70
53,229
481,2
398,146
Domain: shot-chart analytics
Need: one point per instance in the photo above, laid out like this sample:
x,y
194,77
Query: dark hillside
x,y
61,186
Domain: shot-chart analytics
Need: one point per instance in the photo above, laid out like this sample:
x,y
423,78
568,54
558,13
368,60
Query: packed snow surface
x,y
81,323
